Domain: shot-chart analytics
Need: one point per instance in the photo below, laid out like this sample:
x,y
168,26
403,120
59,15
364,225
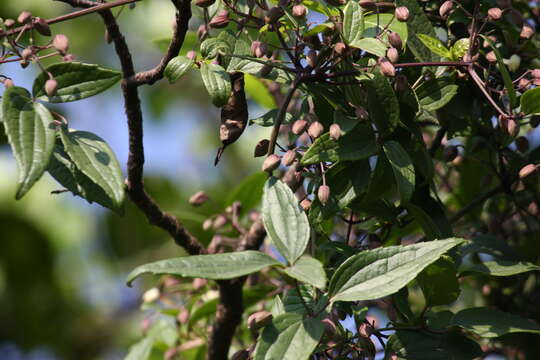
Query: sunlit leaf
x,y
177,67
308,270
217,83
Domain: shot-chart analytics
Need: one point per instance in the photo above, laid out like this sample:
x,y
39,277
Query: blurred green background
x,y
63,262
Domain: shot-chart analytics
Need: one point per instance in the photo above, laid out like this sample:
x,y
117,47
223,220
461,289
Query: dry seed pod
x,y
392,55
315,129
42,27
527,170
271,163
335,131
219,21
198,198
299,10
522,144
323,194
289,158
234,115
50,87
24,17
526,32
259,320
299,126
386,68
395,40
204,3
61,43
445,8
402,13
494,14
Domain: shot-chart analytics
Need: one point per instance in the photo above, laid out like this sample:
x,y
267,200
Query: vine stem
x,y
281,116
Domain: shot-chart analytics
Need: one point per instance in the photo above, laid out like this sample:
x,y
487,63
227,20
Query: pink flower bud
x,y
219,222
392,55
9,23
527,171
50,87
8,83
299,10
61,43
526,32
26,54
386,68
315,129
191,54
289,158
198,198
311,58
491,57
335,131
24,17
271,163
402,13
42,27
395,40
259,320
198,283
259,49
445,8
305,204
68,58
494,14
323,194
299,126
219,21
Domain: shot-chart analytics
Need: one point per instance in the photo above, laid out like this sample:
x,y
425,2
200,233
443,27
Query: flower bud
x,y
535,121
494,14
198,198
151,295
395,40
273,15
508,125
305,204
50,87
26,54
207,224
450,153
524,84
299,126
340,48
183,316
8,83
491,57
402,13
202,32
392,55
219,21
9,23
42,27
311,58
191,54
335,131
261,148
271,163
259,49
445,8
198,283
522,144
204,3
526,31
219,222
330,329
361,113
536,74
315,129
386,68
68,58
323,194
527,171
289,158
299,10
259,320
61,43
24,17
365,330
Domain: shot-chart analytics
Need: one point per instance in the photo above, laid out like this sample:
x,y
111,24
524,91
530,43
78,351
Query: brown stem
x,y
476,202
280,117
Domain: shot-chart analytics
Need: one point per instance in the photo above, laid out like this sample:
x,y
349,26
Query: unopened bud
x,y
151,295
207,224
450,153
402,13
335,131
204,3
198,283
8,83
522,144
494,14
311,58
299,10
273,15
50,87
24,17
491,57
305,204
299,126
61,43
340,48
42,27
198,198
259,49
68,58
259,320
26,54
526,32
261,148
392,55
219,21
191,54
524,84
508,125
289,158
395,40
361,113
445,8
315,129
202,32
330,329
9,23
365,330
323,194
219,222
271,163
527,171
386,68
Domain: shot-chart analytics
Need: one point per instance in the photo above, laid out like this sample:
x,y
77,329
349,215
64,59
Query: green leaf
x,y
383,105
217,83
357,144
435,45
177,67
284,220
436,93
489,323
418,23
76,81
373,24
460,48
289,337
416,345
508,84
429,214
30,129
95,159
439,282
353,22
308,270
402,168
141,350
249,192
370,45
269,118
258,92
530,101
215,266
380,272
499,268
63,170
212,47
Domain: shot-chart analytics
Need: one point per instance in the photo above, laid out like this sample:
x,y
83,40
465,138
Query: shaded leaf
x,y
284,220
490,323
76,81
383,105
499,268
177,67
402,168
308,270
439,282
530,101
258,92
217,83
141,350
380,272
249,192
436,93
508,84
30,130
215,266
